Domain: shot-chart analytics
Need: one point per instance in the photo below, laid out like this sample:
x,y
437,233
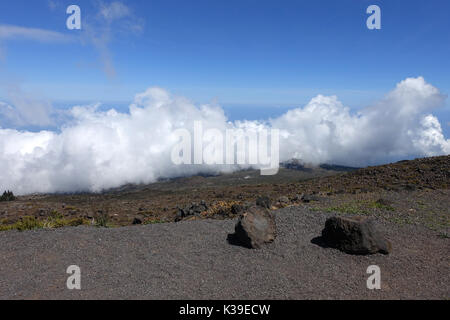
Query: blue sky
x,y
241,53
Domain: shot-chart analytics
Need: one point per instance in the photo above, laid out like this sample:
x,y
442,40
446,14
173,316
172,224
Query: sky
x,y
255,59
238,52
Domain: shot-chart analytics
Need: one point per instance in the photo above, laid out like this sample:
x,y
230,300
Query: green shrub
x,y
28,223
102,220
54,221
8,196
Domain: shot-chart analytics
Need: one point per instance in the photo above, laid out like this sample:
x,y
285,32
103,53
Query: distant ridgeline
x,y
297,164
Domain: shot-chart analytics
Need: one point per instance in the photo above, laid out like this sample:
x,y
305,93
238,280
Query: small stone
x,y
283,200
263,201
236,209
308,198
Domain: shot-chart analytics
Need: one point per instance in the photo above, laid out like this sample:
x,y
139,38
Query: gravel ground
x,y
192,260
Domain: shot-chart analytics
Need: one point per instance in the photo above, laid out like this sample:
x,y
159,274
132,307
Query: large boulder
x,y
355,235
255,228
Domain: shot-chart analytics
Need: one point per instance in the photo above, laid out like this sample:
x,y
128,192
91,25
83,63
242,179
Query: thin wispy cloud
x,y
54,4
26,109
113,11
11,32
99,30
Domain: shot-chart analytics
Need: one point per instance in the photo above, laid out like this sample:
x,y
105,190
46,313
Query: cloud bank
x,y
98,150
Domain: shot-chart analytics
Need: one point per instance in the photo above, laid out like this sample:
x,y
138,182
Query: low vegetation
x,y
102,220
55,220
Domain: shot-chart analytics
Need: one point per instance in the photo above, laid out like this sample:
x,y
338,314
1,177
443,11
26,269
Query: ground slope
x,y
192,260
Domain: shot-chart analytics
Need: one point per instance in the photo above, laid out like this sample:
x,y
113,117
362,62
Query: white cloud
x,y
99,150
326,131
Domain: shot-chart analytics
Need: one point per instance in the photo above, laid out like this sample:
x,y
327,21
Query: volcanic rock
x,y
355,235
255,228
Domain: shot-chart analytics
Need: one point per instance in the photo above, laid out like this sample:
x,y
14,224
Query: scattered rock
x,y
263,201
283,201
355,235
409,187
193,209
308,198
236,209
255,228
383,202
43,212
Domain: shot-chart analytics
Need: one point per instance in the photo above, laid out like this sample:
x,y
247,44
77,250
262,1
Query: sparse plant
x,y
28,223
221,208
347,209
381,205
443,235
102,220
55,220
152,221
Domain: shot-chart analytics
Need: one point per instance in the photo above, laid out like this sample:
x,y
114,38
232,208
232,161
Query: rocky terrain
x,y
405,192
315,230
194,260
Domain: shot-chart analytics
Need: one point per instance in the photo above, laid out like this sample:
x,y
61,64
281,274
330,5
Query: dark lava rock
x,y
284,201
236,209
193,209
409,187
355,235
309,197
263,201
255,228
43,212
383,202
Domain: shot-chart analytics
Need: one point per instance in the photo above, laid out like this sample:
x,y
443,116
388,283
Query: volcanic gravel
x,y
193,260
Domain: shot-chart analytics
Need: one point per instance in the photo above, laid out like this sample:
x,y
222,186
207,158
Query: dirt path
x,y
192,260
